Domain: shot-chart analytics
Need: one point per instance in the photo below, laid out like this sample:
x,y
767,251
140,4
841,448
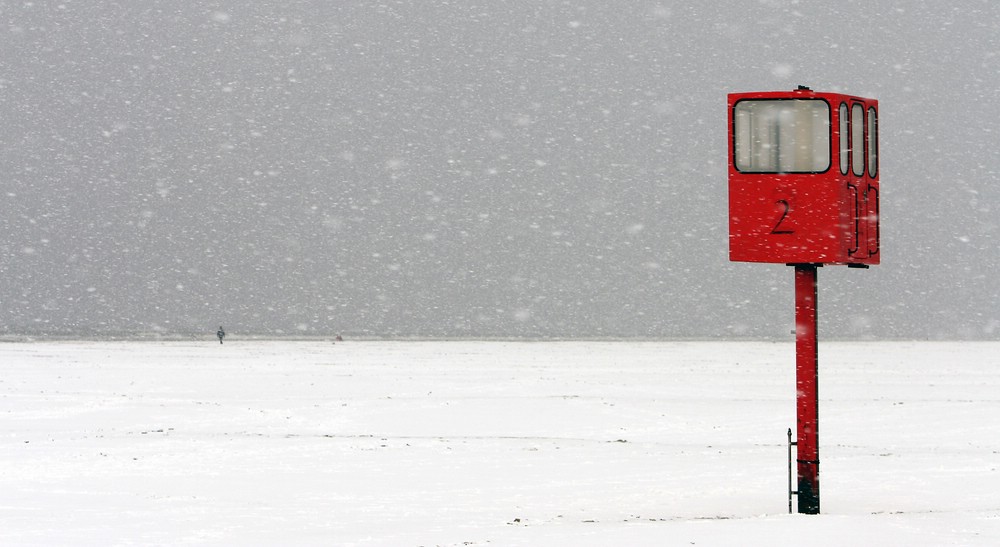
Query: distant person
x,y
339,338
221,334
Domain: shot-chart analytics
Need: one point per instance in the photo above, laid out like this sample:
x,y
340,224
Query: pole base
x,y
808,495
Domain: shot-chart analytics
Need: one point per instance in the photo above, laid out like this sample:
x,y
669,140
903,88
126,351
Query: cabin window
x,y
844,138
782,136
858,139
872,142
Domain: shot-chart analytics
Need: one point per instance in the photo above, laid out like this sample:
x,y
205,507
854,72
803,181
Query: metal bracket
x,y
791,490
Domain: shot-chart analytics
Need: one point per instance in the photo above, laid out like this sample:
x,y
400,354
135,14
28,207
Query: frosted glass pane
x,y
782,136
858,139
872,143
844,137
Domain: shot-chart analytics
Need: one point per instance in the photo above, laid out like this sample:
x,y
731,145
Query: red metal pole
x,y
807,387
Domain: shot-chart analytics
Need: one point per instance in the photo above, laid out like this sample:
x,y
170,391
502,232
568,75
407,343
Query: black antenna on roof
x,y
804,88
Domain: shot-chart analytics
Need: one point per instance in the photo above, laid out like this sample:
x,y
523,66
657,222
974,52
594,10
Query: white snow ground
x,y
500,443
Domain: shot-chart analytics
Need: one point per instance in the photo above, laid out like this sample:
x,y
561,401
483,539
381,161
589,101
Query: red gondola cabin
x,y
803,178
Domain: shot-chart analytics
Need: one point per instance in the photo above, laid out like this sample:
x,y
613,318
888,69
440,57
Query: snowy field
x,y
491,443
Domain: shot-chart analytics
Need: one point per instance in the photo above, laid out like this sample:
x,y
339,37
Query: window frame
x,y
844,137
736,136
871,127
858,162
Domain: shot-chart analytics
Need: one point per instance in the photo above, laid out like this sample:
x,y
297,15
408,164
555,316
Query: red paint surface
x,y
807,387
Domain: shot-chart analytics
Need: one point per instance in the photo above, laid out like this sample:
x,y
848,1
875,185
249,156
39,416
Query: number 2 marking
x,y
785,208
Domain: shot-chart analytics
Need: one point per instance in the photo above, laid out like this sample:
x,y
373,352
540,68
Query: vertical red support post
x,y
807,387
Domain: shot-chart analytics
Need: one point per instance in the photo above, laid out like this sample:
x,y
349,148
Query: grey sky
x,y
510,168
